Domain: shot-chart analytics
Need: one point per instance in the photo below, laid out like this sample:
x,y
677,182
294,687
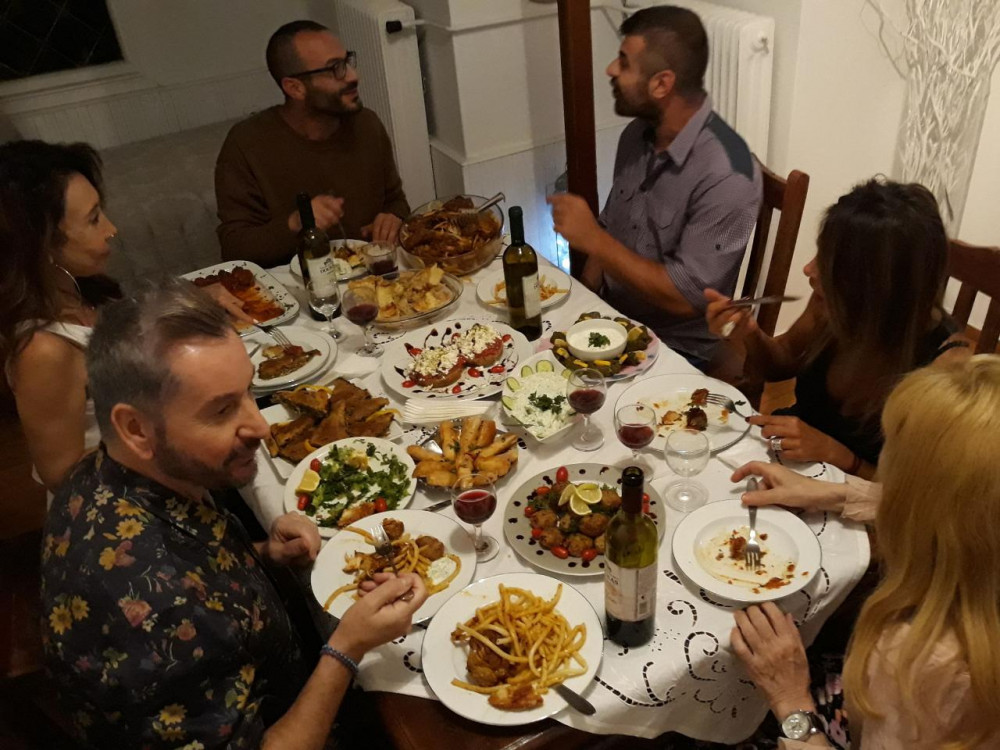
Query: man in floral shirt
x,y
162,626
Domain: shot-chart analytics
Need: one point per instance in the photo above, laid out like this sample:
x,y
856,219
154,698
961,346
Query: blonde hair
x,y
938,529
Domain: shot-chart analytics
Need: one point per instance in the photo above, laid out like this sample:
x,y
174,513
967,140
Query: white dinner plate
x,y
517,526
281,413
345,271
521,376
487,292
444,661
672,392
480,383
787,538
361,443
308,339
328,572
265,282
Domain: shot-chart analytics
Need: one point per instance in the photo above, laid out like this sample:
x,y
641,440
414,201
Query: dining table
x,y
687,679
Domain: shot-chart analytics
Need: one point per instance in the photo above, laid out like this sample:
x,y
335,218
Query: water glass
x,y
326,303
687,453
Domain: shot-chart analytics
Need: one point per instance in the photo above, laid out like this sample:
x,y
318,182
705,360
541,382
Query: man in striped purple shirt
x,y
686,188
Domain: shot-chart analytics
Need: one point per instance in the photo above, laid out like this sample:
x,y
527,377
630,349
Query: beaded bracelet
x,y
343,658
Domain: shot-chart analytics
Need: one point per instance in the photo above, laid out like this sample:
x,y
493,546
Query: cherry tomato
x,y
535,533
496,369
474,373
457,389
588,554
315,465
413,351
506,337
543,490
304,501
561,552
562,474
380,505
529,511
408,383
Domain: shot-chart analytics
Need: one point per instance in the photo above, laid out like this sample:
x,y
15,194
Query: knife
x,y
574,699
774,299
438,505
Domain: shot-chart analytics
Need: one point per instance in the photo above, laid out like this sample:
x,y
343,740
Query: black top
x,y
814,405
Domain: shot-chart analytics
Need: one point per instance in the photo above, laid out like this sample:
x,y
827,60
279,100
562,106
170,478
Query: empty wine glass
x,y
687,453
324,298
635,425
586,391
474,499
361,308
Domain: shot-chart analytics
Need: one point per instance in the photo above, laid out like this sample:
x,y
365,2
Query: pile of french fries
x,y
472,447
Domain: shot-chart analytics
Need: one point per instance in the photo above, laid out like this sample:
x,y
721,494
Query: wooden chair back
x,y
787,195
977,268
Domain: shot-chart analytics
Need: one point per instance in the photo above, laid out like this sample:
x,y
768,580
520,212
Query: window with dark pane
x,y
43,36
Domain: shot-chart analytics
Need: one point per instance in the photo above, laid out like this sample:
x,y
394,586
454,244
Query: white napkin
x,y
428,411
751,448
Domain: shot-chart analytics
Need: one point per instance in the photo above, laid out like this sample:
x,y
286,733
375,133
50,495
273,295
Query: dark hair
x,y
282,58
33,180
127,355
882,256
675,40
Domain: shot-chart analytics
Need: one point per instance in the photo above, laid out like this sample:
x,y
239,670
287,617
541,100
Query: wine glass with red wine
x,y
361,308
380,258
636,428
474,499
586,392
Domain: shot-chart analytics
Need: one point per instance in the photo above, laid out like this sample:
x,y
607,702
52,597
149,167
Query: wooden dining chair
x,y
787,195
977,268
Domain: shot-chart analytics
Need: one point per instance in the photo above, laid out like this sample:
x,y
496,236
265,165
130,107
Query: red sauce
x,y
775,583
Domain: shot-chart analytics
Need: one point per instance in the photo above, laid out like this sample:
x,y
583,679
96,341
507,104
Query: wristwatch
x,y
801,725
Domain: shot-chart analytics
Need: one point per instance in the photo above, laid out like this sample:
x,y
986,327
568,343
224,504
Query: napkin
x,y
428,411
751,448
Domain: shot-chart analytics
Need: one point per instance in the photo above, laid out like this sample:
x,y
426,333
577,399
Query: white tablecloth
x,y
685,680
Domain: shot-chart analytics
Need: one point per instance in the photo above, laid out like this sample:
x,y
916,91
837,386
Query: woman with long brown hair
x,y
923,665
875,314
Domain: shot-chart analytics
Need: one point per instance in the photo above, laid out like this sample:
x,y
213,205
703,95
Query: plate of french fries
x,y
494,650
464,447
408,297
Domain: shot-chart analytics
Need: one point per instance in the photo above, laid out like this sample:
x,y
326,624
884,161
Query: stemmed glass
x,y
635,425
586,392
361,308
475,498
324,298
687,453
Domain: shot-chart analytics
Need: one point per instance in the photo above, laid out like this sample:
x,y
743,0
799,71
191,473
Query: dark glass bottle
x,y
520,275
315,259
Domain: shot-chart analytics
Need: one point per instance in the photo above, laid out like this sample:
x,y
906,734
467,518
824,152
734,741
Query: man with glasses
x,y
322,141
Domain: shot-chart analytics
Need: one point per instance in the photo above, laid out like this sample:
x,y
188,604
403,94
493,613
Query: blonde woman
x,y
923,666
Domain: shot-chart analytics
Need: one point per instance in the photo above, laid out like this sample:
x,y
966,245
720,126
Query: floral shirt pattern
x,y
160,624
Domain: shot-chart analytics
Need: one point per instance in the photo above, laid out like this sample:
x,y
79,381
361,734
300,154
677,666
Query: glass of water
x,y
326,305
687,453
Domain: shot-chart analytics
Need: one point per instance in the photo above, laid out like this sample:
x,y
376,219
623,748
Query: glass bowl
x,y
461,264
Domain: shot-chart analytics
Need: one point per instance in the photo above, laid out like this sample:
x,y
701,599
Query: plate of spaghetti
x,y
438,549
495,649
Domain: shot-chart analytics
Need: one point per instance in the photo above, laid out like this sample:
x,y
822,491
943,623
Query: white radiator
x,y
741,54
389,69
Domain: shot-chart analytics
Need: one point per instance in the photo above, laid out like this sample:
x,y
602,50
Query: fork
x,y
383,547
724,401
275,333
751,553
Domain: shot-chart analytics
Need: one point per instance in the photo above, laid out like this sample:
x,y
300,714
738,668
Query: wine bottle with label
x,y
319,271
520,275
630,567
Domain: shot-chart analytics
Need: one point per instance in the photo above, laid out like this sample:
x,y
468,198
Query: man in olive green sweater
x,y
321,141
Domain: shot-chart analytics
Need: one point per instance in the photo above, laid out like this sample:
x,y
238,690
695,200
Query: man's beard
x,y
189,468
333,104
626,108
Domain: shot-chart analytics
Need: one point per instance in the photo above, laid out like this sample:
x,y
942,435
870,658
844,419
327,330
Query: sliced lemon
x,y
589,492
579,506
309,483
567,494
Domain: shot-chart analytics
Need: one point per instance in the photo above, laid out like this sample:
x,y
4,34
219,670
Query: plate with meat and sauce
x,y
262,297
277,366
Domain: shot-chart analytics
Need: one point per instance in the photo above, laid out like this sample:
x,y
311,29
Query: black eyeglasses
x,y
337,67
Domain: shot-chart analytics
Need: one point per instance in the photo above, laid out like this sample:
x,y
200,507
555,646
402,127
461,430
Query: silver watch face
x,y
796,726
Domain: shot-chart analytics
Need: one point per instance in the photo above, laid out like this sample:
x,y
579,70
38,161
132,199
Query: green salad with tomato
x,y
352,483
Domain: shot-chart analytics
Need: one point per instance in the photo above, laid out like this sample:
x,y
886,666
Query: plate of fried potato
x,y
463,447
406,297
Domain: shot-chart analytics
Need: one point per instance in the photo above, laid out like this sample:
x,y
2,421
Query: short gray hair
x,y
126,358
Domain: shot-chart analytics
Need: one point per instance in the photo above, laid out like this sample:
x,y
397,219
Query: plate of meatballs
x,y
556,519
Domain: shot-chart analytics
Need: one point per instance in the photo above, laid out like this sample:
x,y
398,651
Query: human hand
x,y
385,228
800,442
782,486
380,615
228,302
729,323
294,540
770,647
573,219
327,210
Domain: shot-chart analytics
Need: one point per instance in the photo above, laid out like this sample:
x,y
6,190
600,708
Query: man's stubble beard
x,y
178,465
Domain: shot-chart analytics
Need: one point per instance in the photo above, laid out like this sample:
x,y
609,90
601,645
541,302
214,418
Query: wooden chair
x,y
978,270
787,195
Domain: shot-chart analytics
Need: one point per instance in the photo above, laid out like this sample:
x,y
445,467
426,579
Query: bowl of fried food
x,y
460,448
408,299
452,234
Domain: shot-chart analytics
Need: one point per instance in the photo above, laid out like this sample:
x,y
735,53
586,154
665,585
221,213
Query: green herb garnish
x,y
347,478
598,339
547,403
